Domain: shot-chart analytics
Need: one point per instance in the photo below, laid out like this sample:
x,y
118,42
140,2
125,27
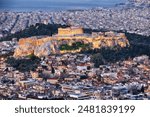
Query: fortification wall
x,y
69,31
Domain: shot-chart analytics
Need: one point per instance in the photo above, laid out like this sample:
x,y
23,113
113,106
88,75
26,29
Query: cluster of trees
x,y
112,55
74,46
29,63
139,45
137,39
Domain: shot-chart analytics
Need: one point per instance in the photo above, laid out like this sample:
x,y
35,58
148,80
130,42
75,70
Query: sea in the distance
x,y
52,5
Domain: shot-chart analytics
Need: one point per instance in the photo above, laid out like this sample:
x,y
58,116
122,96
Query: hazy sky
x,y
55,1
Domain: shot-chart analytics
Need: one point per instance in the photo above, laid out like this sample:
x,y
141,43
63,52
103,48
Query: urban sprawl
x,y
57,67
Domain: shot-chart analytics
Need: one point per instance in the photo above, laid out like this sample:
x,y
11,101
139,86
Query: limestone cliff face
x,y
44,46
24,50
43,50
38,47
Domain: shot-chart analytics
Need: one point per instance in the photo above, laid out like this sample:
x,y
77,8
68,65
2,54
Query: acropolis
x,y
46,45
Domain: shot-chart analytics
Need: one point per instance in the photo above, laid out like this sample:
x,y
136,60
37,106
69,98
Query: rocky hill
x,y
44,46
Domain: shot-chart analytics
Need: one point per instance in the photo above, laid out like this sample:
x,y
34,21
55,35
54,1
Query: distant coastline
x,y
50,6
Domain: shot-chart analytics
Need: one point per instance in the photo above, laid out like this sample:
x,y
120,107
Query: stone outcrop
x,y
33,45
24,50
43,50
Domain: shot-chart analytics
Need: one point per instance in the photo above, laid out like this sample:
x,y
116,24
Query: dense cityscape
x,y
127,18
94,54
